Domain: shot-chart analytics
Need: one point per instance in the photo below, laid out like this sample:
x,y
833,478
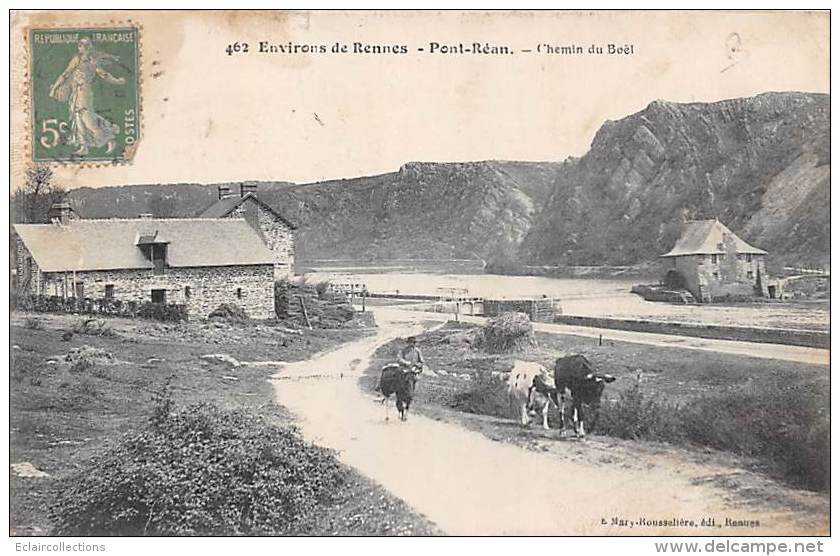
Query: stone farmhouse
x,y
712,262
275,230
198,262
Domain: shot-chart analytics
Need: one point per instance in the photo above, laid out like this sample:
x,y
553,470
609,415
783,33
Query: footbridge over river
x,y
459,302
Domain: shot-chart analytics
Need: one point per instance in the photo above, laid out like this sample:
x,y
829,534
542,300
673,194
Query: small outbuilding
x,y
711,262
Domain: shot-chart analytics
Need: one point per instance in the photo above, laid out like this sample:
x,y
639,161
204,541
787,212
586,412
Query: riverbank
x,y
783,336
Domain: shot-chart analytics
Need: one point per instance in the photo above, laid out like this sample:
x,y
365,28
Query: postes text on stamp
x,y
85,94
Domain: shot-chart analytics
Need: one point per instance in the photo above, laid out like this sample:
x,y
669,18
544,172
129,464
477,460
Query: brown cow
x,y
396,379
577,374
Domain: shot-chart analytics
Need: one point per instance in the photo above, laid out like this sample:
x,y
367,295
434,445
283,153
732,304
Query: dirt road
x,y
468,484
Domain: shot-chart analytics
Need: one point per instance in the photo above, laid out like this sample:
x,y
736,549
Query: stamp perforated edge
x,y
29,128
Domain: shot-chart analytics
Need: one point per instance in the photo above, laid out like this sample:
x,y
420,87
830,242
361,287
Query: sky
x,y
209,117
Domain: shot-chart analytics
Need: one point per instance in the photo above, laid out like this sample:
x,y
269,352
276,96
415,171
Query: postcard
x,y
531,273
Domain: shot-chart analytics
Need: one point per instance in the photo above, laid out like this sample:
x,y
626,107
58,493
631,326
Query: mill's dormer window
x,y
154,248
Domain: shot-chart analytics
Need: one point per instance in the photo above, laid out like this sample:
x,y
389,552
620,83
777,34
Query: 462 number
x,y
236,48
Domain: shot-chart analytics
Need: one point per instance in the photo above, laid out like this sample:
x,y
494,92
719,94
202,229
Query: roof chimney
x,y
224,191
245,188
61,213
146,216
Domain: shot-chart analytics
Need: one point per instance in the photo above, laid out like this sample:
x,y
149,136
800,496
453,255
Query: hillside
x,y
760,164
424,210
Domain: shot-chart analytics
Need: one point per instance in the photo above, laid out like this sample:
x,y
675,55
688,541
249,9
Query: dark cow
x,y
398,380
577,374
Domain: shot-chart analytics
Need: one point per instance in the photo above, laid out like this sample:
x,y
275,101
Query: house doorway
x,y
158,296
675,281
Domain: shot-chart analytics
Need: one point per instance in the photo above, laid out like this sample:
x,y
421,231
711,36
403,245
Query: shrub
x,y
282,297
86,358
322,288
509,332
229,312
81,364
85,389
113,307
159,311
92,327
786,427
635,415
90,353
33,323
484,396
505,261
324,308
200,471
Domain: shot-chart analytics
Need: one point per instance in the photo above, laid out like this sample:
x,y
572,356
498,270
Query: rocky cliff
x,y
424,210
760,164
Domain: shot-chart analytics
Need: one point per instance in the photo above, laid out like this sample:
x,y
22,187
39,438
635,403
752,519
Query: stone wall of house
x,y
731,274
276,234
202,289
28,277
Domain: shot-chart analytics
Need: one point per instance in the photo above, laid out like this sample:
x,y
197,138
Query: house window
x,y
749,257
238,293
158,296
187,292
750,274
109,291
714,259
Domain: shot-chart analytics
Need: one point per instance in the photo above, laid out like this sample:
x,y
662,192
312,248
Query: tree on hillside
x,y
161,206
32,202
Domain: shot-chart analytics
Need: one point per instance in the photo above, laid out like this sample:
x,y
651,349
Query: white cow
x,y
531,385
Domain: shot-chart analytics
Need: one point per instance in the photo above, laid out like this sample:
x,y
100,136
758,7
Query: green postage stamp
x,y
85,94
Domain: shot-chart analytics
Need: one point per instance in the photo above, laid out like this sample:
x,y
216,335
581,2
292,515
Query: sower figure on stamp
x,y
75,86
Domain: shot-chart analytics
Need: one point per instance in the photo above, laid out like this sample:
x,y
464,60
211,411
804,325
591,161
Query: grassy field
x,y
772,414
63,413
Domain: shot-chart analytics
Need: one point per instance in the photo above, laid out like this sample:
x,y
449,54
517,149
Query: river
x,y
594,297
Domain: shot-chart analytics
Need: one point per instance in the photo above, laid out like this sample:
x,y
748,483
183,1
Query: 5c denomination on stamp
x,y
85,94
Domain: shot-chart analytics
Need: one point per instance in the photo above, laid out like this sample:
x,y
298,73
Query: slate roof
x,y
705,237
223,207
113,244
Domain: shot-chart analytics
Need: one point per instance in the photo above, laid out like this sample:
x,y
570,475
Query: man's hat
x,y
411,340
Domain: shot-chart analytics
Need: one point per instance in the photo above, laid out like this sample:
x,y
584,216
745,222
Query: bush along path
x,y
468,484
